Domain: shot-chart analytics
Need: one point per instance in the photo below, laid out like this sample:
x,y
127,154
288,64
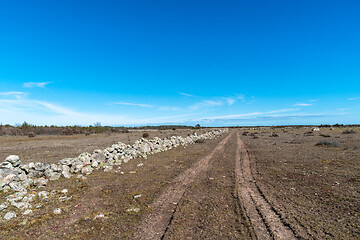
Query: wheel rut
x,y
155,224
266,223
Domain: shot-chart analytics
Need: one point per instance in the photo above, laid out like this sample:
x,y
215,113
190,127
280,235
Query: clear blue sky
x,y
216,63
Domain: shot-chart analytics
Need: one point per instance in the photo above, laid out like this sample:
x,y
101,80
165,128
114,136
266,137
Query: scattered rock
x,y
10,215
57,211
133,210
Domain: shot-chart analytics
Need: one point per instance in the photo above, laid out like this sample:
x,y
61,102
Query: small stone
x,y
27,212
87,170
64,191
40,182
64,198
80,176
140,165
132,172
99,216
38,206
14,160
3,206
133,210
16,186
108,168
10,215
57,211
137,196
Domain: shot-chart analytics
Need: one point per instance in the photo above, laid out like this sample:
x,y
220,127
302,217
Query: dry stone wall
x,y
20,177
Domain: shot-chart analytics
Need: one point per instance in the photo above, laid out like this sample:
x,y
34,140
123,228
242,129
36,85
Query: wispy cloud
x,y
230,101
216,102
302,105
132,104
17,95
313,100
186,94
35,84
252,114
12,93
354,98
207,103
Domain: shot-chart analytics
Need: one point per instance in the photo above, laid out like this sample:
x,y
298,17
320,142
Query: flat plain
x,y
258,183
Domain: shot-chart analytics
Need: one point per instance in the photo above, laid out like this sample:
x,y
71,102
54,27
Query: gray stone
x,y
35,174
40,182
98,156
87,170
3,206
25,167
57,211
17,186
41,166
14,160
66,161
22,205
55,176
29,198
66,172
10,215
27,212
108,168
56,168
94,164
5,165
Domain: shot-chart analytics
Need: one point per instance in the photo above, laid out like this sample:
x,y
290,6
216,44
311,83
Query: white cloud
x,y
132,104
13,94
35,84
355,98
186,94
253,114
207,103
313,100
230,101
302,105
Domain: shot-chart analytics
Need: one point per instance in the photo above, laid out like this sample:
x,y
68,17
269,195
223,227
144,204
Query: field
x,y
246,184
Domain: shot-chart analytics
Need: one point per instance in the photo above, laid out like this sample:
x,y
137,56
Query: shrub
x,y
349,131
330,143
274,135
145,135
200,141
245,133
324,135
31,134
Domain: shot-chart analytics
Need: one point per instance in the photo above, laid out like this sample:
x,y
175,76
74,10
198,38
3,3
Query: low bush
x,y
330,143
145,135
349,131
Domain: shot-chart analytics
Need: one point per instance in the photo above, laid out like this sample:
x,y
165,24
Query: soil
x,y
267,184
315,189
52,148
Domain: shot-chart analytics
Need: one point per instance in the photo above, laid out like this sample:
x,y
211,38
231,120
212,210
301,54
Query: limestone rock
x,y
10,215
14,160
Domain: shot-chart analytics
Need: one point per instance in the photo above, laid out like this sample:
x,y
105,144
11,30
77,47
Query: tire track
x,y
155,225
266,222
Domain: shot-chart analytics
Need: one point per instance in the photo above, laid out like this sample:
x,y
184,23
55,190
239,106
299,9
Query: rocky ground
x,y
263,184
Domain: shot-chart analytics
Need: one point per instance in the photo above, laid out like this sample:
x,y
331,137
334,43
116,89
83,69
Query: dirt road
x,y
257,212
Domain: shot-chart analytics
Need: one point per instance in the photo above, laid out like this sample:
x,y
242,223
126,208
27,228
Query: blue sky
x,y
217,63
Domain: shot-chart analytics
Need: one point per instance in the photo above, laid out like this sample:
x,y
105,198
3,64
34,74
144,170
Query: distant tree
x,y
197,126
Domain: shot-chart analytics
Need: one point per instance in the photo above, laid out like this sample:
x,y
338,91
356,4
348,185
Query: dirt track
x,y
265,221
156,224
